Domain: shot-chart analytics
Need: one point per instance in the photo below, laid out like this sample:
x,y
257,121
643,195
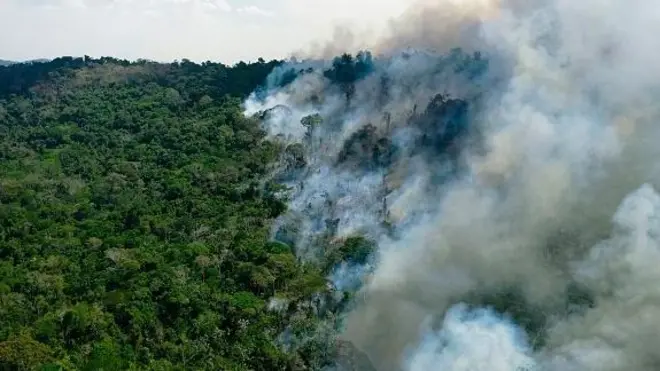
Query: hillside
x,y
134,222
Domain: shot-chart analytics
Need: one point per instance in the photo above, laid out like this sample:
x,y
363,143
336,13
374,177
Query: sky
x,y
167,30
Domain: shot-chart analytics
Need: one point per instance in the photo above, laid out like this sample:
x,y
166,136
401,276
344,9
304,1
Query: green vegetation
x,y
134,224
354,250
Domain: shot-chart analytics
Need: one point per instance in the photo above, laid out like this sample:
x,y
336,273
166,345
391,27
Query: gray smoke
x,y
536,244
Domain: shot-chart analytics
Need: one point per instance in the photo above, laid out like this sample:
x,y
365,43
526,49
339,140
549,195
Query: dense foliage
x,y
134,223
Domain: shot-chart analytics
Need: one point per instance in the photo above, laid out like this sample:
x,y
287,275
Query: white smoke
x,y
612,335
565,115
473,340
621,272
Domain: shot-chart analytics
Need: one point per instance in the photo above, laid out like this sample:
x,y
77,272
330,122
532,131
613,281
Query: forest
x,y
135,221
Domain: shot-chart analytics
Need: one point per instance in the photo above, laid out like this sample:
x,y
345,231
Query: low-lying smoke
x,y
515,175
473,340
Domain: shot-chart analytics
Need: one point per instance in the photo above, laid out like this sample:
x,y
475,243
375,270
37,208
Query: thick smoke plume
x,y
508,184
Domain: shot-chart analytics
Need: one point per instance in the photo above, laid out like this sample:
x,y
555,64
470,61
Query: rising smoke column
x,y
566,116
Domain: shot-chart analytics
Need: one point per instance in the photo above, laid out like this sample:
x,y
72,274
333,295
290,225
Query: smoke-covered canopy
x,y
497,159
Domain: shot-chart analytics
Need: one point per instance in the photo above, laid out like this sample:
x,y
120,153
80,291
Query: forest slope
x,y
133,221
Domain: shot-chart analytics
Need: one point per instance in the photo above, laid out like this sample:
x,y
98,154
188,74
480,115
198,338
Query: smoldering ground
x,y
509,186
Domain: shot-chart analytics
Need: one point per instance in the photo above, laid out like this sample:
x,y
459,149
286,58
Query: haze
x,y
165,30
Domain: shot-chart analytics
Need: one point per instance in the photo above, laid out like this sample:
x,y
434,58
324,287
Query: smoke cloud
x,y
473,340
514,175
